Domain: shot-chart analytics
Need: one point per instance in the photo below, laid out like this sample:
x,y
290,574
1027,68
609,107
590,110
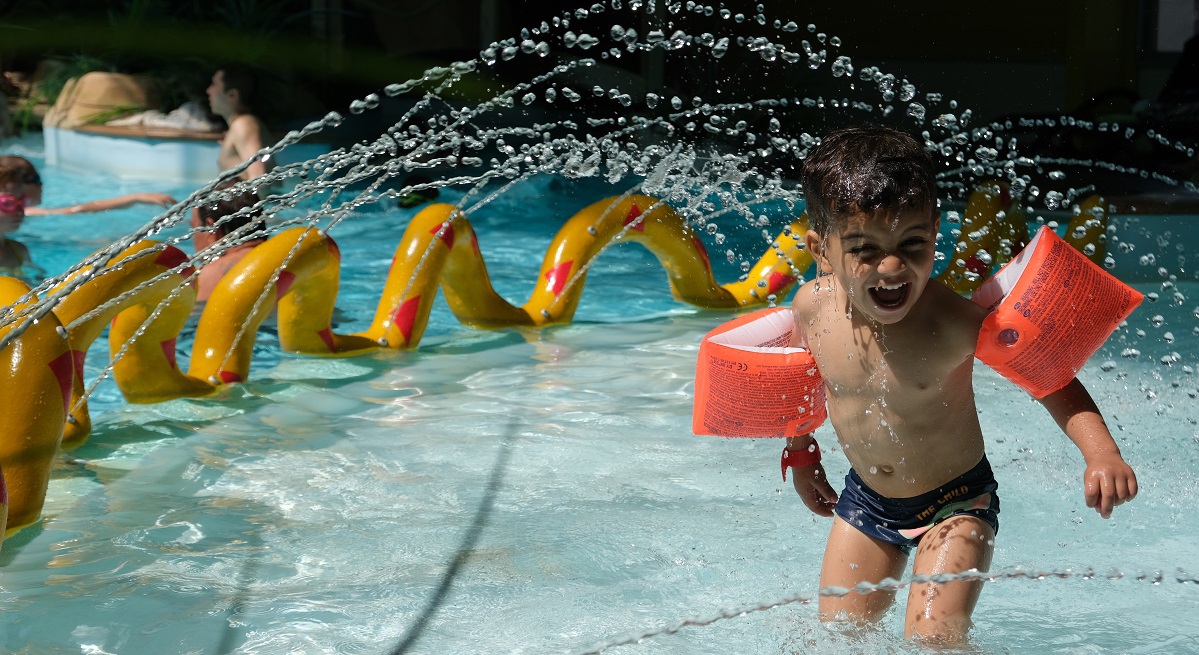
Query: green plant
x,y
112,113
50,86
57,76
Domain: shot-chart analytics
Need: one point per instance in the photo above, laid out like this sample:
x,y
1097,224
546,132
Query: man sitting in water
x,y
231,96
33,193
221,222
896,352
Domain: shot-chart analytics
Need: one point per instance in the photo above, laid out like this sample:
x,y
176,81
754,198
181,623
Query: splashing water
x,y
728,167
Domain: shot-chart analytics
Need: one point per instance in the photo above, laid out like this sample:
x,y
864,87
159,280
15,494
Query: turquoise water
x,y
525,491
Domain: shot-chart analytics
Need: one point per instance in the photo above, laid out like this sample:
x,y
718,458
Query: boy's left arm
x,y
1109,480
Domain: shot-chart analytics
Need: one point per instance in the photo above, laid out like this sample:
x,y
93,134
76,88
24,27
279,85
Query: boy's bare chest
x,y
857,362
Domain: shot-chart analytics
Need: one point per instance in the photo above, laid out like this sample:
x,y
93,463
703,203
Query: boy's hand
x,y
813,488
1108,481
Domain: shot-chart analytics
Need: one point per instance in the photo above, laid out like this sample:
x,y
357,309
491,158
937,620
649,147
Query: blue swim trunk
x,y
902,521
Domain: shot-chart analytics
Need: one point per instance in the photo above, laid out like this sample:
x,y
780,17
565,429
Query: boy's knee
x,y
855,607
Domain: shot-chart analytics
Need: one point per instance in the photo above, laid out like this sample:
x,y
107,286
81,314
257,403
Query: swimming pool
x,y
540,491
522,490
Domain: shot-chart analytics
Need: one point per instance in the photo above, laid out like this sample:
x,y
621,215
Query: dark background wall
x,y
1011,57
1019,56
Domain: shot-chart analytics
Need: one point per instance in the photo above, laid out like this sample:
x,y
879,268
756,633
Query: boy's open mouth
x,y
890,296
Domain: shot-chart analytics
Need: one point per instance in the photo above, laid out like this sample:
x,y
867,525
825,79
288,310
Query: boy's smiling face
x,y
881,260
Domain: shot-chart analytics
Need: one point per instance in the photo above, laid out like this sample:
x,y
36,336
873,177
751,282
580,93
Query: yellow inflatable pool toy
x,y
995,229
145,295
1087,231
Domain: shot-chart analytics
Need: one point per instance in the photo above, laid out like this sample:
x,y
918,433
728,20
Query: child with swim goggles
x,y
896,353
14,256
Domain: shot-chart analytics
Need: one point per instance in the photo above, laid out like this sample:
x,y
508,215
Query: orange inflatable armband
x,y
1052,308
750,383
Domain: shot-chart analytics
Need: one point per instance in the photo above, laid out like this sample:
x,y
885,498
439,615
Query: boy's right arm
x,y
810,481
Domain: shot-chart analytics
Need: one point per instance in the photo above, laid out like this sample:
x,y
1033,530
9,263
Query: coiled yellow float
x,y
144,295
1087,231
995,228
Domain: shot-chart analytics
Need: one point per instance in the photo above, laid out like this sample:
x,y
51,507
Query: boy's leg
x,y
852,557
940,613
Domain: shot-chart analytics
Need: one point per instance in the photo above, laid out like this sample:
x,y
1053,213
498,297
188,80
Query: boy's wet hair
x,y
863,169
222,213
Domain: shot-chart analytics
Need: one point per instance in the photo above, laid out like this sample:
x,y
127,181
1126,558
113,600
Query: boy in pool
x,y
217,221
896,352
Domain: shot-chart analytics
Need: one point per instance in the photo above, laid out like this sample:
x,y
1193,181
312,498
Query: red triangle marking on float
x,y
333,247
79,357
558,275
778,281
286,278
170,257
168,350
326,335
229,377
405,317
977,266
635,212
474,243
63,368
702,251
447,235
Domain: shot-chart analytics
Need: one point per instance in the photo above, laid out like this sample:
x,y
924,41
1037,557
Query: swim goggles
x,y
10,204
